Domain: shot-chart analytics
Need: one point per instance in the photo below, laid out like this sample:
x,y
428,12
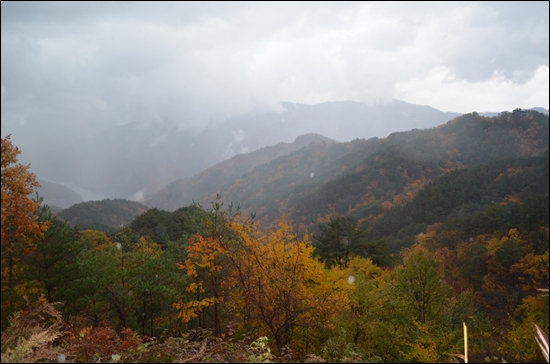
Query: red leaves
x,y
103,342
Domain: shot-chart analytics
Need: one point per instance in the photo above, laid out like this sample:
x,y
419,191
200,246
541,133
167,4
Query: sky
x,y
78,68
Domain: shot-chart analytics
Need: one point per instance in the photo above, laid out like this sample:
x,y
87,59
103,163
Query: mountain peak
x,y
313,138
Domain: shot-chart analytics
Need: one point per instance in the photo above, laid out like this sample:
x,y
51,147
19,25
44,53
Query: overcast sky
x,y
79,67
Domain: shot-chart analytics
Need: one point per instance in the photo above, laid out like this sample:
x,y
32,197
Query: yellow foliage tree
x,y
278,286
203,266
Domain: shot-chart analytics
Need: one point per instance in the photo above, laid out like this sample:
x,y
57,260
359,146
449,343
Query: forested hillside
x,y
182,192
376,250
102,215
139,158
318,182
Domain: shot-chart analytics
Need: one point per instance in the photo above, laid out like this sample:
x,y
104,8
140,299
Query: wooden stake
x,y
465,343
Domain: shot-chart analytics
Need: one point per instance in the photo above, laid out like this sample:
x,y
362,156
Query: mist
x,y
75,75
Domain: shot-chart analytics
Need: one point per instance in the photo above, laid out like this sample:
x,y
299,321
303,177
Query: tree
x,y
278,287
207,256
19,226
435,309
204,259
339,239
53,262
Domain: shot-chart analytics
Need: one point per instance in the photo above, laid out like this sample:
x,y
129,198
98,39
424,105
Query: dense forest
x,y
376,250
106,215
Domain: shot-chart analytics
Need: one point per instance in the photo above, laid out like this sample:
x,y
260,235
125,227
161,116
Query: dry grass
x,y
31,333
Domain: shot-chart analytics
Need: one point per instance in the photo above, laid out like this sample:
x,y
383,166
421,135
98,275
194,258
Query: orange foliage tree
x,y
19,226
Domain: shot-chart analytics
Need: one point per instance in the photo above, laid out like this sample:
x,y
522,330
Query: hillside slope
x,y
183,191
58,195
102,215
321,181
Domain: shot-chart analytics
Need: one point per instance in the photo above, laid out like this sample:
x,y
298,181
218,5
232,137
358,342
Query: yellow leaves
x,y
280,285
147,246
532,271
195,287
513,234
192,288
423,239
269,280
202,261
364,267
190,310
96,239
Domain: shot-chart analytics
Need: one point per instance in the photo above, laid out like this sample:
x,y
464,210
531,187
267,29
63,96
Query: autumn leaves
x,y
269,281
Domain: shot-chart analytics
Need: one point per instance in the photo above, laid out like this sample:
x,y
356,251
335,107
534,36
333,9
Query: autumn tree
x,y
377,324
204,259
435,309
280,288
207,255
19,226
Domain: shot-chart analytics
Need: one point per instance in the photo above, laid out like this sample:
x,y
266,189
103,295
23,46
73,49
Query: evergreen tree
x,y
339,240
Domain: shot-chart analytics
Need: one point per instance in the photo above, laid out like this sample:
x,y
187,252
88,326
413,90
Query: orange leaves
x,y
202,254
16,215
19,226
268,280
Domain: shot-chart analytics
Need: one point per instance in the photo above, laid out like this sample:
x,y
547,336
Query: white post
x,y
465,343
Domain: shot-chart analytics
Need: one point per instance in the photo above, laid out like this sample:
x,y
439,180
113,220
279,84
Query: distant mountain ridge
x,y
367,177
134,160
55,194
102,215
182,192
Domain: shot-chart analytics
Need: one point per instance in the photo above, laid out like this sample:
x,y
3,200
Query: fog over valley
x,y
119,100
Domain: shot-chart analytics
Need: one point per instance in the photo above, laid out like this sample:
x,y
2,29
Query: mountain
x,y
182,192
540,109
366,178
102,215
55,194
137,159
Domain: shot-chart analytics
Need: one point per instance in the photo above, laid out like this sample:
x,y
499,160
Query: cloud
x,y
75,69
442,87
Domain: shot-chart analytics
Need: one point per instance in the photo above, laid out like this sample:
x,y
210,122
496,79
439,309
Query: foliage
x,y
31,333
20,228
18,223
102,343
338,241
110,214
468,243
278,285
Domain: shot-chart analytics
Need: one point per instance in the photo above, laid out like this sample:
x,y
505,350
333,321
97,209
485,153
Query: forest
x,y
385,255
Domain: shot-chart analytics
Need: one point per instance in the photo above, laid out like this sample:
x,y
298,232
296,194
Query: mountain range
x,y
362,178
137,159
203,186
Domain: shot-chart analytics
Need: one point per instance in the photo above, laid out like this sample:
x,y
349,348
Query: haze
x,y
73,70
